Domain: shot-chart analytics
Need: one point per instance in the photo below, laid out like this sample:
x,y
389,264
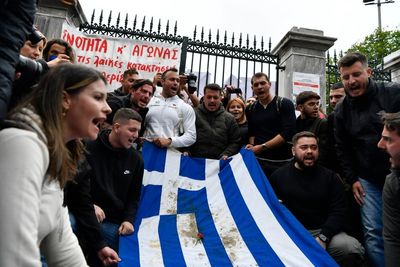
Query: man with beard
x,y
307,103
218,135
170,121
140,94
271,124
390,142
112,184
315,196
357,131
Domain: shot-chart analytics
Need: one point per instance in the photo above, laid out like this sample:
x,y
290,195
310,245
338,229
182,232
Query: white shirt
x,y
171,118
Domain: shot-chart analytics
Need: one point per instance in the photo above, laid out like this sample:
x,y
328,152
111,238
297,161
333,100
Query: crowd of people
x,y
67,142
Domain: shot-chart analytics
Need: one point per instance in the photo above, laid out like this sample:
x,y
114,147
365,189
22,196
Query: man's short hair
x,y
125,114
140,82
302,134
303,97
337,86
130,72
164,74
259,75
213,86
350,58
391,121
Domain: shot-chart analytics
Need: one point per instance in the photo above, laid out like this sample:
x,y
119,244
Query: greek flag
x,y
202,212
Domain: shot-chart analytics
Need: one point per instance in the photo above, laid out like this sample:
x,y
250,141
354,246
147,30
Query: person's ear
x,y
116,126
66,101
369,72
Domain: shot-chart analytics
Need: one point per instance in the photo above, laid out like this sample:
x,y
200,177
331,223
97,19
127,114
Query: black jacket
x,y
79,201
391,218
278,117
315,197
16,20
358,130
117,102
116,178
217,134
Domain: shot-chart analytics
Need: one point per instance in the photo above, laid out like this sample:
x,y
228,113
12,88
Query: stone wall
x,y
51,15
302,50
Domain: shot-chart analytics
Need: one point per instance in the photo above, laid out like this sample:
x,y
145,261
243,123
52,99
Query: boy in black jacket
x,y
115,182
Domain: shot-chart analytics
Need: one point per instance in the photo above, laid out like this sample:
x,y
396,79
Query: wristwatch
x,y
323,238
264,146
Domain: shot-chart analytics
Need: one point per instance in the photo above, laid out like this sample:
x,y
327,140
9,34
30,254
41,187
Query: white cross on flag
x,y
202,212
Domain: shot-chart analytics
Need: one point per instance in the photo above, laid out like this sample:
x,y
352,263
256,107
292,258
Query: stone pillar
x,y
392,63
302,50
51,14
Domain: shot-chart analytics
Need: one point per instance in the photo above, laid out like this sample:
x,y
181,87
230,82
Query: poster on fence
x,y
305,82
112,56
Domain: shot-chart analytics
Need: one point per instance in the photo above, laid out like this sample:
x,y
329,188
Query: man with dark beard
x,y
315,196
390,142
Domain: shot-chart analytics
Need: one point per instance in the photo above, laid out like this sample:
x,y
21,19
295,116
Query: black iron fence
x,y
223,59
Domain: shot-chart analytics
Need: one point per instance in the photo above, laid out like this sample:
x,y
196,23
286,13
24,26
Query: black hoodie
x,y
116,178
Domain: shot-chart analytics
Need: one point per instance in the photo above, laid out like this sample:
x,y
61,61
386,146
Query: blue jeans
x,y
110,233
371,219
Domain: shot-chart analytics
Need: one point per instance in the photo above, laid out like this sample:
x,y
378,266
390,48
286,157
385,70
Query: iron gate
x,y
231,61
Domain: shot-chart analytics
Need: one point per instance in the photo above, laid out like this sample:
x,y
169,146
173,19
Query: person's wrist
x,y
264,146
170,141
323,238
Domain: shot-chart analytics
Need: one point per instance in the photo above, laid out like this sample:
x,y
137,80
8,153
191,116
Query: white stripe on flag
x,y
149,242
152,178
171,181
192,249
169,193
280,242
236,248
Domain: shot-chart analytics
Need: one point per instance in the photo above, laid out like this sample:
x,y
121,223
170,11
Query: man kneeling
x,y
315,196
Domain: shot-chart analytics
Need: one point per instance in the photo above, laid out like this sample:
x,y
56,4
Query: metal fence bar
x,y
215,50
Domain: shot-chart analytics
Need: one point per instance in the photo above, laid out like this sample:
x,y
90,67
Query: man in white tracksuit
x,y
170,121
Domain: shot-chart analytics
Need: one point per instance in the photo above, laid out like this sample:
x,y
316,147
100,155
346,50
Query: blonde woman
x,y
236,107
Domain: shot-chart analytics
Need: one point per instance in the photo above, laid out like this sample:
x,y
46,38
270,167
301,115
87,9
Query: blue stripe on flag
x,y
311,249
252,236
192,168
149,204
154,157
169,240
197,201
129,250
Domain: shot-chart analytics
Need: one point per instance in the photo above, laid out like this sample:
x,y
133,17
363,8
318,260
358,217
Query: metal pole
x,y
379,15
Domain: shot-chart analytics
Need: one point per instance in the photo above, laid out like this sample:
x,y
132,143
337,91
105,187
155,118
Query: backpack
x,y
278,102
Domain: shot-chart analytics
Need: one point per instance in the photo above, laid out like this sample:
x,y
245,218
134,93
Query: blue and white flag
x,y
229,203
